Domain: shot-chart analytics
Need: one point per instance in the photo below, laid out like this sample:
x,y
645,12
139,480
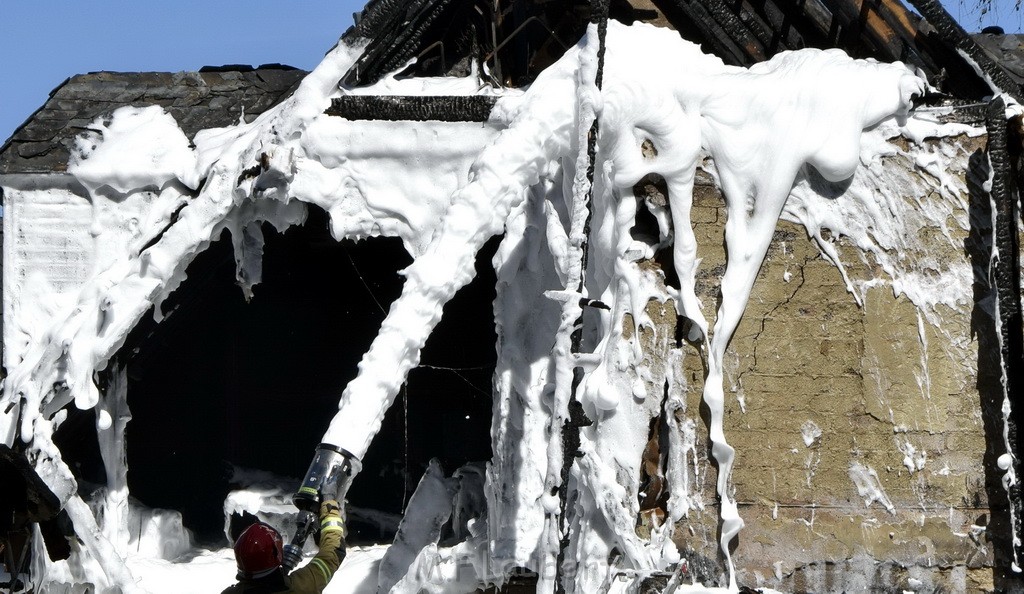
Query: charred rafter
x,y
472,108
911,42
787,28
691,18
903,31
397,30
740,29
773,28
519,39
814,21
743,32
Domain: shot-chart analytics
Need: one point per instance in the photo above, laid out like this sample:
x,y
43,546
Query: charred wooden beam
x,y
862,28
899,21
766,35
375,19
884,29
576,418
872,13
741,30
953,34
396,30
773,28
939,59
778,23
690,18
448,108
25,500
814,13
1006,275
408,42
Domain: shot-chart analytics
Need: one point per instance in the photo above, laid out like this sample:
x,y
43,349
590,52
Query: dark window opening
x,y
221,382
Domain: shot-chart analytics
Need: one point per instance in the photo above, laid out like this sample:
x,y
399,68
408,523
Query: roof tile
x,y
197,100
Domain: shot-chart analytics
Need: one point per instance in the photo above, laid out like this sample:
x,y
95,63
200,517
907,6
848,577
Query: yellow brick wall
x,y
805,351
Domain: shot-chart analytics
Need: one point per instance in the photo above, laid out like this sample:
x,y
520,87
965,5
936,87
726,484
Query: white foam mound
x,y
139,147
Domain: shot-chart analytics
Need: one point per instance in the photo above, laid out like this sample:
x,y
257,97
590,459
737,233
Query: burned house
x,y
597,322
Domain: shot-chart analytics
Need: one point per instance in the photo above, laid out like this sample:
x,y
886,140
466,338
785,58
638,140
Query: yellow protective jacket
x,y
311,578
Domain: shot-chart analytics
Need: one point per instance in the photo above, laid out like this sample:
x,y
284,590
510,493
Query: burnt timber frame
x,y
1005,273
576,419
446,108
744,32
441,34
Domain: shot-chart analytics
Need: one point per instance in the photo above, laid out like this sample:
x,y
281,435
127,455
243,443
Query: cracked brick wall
x,y
883,388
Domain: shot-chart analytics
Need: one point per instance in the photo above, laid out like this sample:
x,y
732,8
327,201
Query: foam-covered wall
x,y
831,399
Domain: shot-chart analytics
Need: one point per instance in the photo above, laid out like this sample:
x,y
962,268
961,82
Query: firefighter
x,y
258,552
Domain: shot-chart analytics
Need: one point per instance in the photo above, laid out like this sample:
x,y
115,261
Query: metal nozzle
x,y
329,477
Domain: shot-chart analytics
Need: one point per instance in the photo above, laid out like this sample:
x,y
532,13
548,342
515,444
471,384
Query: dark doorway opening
x,y
221,382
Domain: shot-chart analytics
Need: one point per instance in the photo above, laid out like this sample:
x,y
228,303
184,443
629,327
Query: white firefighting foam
x,y
799,117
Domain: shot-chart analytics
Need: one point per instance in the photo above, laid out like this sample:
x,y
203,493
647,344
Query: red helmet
x,y
258,551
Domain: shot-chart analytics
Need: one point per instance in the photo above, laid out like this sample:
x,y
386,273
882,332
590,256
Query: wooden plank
x,y
782,25
694,23
896,15
865,27
816,12
743,31
473,108
396,31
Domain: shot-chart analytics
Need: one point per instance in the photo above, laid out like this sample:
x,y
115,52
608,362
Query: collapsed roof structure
x,y
610,169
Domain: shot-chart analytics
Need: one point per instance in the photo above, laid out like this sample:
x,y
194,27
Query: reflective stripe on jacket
x,y
313,577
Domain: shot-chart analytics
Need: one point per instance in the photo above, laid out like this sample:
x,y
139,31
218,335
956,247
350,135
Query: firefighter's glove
x,y
330,517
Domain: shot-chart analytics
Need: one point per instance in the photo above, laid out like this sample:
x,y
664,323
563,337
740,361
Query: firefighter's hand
x,y
330,517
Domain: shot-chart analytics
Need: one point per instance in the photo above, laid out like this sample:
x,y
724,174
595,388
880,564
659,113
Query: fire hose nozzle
x,y
329,477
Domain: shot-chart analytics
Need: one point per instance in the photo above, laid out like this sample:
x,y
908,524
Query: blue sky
x,y
42,42
1001,12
